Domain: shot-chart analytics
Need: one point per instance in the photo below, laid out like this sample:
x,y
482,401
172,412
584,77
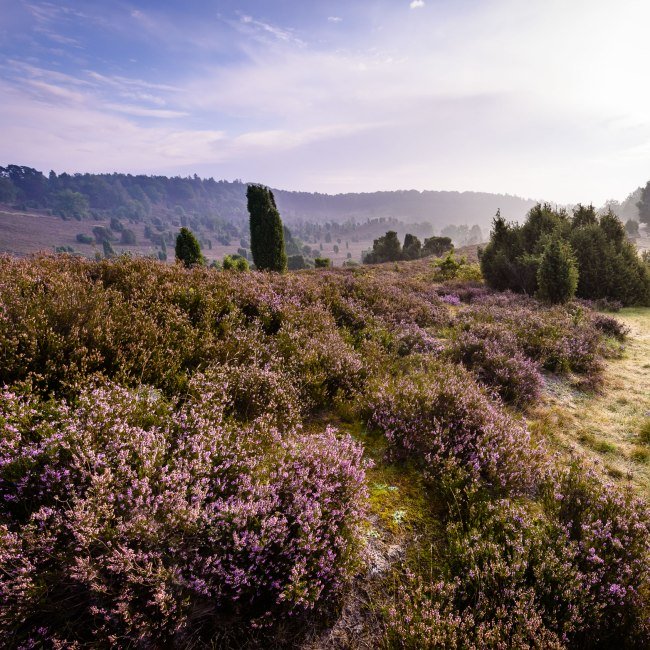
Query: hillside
x,y
217,212
368,457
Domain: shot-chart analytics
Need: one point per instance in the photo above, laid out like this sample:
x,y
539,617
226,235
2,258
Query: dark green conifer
x,y
188,249
557,275
267,236
412,248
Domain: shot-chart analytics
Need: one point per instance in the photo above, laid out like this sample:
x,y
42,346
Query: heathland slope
x,y
343,458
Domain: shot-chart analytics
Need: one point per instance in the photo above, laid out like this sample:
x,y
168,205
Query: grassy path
x,y
613,425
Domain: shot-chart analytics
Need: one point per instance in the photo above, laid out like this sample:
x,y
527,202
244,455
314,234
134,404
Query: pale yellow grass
x,y
607,426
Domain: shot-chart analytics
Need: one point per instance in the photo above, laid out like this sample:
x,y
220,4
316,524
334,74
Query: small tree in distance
x,y
267,236
557,274
188,249
644,204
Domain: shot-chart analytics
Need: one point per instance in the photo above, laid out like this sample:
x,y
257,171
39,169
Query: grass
x,y
613,424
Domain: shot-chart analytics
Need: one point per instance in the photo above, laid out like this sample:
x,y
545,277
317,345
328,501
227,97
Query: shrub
x,y
607,264
450,268
322,262
574,574
599,536
560,339
188,250
385,249
108,249
102,234
85,239
557,275
440,418
412,249
610,326
158,525
436,246
318,356
296,262
128,237
413,339
497,360
235,263
267,235
253,394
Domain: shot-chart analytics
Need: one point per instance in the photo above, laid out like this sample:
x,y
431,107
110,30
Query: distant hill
x,y
138,197
436,207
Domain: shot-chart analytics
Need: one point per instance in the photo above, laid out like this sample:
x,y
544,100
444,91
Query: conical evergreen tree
x,y
267,236
558,273
188,249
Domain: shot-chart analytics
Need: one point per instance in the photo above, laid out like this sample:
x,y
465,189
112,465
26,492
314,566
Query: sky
x,y
546,99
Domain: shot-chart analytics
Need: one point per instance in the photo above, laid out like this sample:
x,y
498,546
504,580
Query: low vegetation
x,y
193,457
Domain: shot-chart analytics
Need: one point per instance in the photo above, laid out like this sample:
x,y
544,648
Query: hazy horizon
x,y
537,100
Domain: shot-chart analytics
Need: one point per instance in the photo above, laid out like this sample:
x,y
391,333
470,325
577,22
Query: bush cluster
x,y
560,339
550,248
156,477
497,359
389,249
152,522
440,418
571,574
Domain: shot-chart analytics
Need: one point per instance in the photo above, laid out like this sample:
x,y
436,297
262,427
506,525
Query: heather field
x,y
374,457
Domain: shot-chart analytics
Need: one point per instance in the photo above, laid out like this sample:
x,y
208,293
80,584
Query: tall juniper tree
x,y
267,236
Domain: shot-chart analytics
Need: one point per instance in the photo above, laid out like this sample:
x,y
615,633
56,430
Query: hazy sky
x,y
541,98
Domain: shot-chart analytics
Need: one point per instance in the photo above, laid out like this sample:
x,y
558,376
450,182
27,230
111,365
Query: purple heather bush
x,y
495,357
609,326
156,524
413,339
573,574
157,486
561,339
439,417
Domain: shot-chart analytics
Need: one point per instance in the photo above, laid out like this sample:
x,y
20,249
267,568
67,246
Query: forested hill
x,y
136,197
437,207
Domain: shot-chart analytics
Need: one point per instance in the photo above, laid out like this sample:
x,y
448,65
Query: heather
x,y
152,522
193,457
573,573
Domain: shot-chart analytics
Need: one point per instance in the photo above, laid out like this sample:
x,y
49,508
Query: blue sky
x,y
545,99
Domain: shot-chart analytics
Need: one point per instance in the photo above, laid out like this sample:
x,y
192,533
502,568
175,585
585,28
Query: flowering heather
x,y
413,339
497,360
152,522
168,477
573,574
561,339
442,419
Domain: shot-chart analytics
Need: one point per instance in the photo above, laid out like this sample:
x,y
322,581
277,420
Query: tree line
x,y
557,255
389,249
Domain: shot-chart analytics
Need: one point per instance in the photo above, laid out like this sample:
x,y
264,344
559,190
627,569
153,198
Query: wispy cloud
x,y
140,111
501,95
280,33
123,83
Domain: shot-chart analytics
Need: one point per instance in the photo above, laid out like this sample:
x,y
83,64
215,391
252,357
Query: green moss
x,y
399,500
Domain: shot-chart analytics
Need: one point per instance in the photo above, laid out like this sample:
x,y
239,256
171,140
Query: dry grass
x,y
613,425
